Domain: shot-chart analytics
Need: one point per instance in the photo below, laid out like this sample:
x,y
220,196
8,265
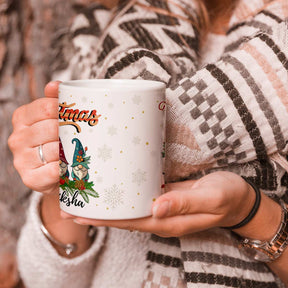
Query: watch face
x,y
256,254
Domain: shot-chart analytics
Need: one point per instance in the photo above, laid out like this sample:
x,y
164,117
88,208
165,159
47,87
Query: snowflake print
x,y
139,177
112,130
136,140
136,99
105,153
113,196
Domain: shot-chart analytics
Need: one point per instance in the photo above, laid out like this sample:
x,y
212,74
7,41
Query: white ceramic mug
x,y
111,138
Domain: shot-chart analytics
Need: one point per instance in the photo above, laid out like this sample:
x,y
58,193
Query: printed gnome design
x,y
80,175
80,162
63,163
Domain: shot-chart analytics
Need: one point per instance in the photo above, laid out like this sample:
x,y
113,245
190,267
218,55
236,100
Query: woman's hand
x,y
218,199
36,124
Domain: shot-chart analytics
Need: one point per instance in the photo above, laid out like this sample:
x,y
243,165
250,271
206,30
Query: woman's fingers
x,y
38,110
39,133
188,207
30,158
50,152
166,227
51,89
36,124
43,179
43,132
36,175
188,201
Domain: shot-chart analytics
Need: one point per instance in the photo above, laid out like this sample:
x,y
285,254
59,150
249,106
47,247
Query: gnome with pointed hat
x,y
80,162
63,163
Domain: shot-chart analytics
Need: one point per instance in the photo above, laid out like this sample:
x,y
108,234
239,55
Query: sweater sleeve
x,y
41,266
235,109
232,111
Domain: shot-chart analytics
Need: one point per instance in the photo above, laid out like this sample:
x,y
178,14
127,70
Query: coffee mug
x,y
111,147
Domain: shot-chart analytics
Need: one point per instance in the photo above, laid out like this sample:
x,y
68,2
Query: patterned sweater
x,y
228,114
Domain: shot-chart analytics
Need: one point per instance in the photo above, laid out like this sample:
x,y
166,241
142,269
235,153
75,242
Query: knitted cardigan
x,y
230,114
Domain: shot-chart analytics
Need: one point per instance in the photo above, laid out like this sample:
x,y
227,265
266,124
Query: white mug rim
x,y
114,85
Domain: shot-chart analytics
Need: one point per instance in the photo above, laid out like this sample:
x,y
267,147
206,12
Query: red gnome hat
x,y
61,153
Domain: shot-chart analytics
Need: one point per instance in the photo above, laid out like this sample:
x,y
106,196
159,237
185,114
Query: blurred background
x,y
32,34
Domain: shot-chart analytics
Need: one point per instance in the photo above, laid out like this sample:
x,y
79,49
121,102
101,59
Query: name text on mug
x,y
64,198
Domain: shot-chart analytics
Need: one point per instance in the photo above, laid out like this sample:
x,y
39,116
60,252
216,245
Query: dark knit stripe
x,y
284,180
271,180
173,241
266,176
145,74
94,27
86,10
285,196
213,258
218,279
280,55
130,59
108,45
262,101
242,109
261,176
273,16
256,24
192,42
164,19
164,260
236,27
236,44
142,36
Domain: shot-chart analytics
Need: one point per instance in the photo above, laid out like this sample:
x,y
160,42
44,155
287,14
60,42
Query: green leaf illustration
x,y
84,196
71,188
92,193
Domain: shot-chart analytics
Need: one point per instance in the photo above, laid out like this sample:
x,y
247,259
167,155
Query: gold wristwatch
x,y
268,251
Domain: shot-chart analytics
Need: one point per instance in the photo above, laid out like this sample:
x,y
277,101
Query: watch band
x,y
274,248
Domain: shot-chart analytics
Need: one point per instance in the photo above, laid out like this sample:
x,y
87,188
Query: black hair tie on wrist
x,y
253,210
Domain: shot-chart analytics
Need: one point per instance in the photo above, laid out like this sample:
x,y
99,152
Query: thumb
x,y
51,89
180,202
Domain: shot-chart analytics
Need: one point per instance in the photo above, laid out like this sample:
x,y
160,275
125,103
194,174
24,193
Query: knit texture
x,y
228,114
41,266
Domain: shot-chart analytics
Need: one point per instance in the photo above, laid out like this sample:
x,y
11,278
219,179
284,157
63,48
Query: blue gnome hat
x,y
79,157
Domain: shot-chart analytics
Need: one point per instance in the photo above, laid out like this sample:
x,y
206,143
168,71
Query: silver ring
x,y
41,155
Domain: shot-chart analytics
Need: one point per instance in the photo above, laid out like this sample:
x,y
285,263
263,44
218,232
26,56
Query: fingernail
x,y
161,210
